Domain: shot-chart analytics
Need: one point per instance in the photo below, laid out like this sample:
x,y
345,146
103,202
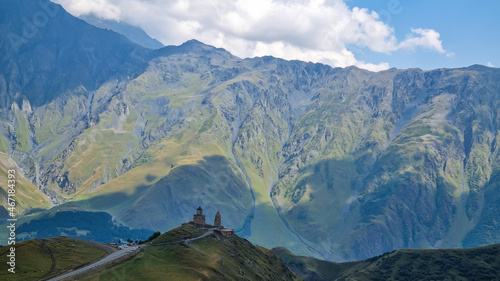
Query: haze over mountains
x,y
339,163
133,33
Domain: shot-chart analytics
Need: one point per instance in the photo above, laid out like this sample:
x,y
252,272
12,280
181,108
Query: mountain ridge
x,y
342,163
407,264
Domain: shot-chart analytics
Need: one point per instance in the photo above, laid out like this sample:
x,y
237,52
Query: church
x,y
199,222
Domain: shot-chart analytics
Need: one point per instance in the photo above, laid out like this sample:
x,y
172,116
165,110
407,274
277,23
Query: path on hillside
x,y
209,231
109,258
49,252
122,253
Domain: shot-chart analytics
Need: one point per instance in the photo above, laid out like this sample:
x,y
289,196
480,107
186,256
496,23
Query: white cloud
x,y
490,64
310,30
101,8
424,38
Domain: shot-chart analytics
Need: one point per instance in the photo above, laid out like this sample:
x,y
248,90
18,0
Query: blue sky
x,y
469,29
371,34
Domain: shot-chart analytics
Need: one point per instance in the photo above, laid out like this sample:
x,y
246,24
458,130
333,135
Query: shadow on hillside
x,y
212,183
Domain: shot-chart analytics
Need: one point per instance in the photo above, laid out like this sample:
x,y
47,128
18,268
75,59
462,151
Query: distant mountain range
x,y
336,163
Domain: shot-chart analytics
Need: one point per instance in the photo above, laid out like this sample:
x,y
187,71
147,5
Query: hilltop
x,y
482,263
40,259
213,257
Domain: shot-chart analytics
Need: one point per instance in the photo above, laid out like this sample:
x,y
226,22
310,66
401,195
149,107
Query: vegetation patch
x,y
41,259
210,258
182,232
22,131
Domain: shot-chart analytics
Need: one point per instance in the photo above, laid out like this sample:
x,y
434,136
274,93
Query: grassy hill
x,y
181,232
213,257
312,269
40,259
481,263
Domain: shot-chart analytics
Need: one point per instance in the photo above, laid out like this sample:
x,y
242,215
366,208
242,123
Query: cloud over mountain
x,y
310,30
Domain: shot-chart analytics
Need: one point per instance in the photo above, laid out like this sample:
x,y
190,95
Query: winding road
x,y
122,253
109,258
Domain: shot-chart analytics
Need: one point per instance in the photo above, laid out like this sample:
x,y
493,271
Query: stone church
x,y
199,217
200,222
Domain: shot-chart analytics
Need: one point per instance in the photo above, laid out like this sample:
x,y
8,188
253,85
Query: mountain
x,y
48,53
447,264
133,33
336,163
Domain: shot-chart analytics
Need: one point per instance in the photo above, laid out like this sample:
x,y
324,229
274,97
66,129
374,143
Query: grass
x,y
98,153
55,144
34,262
22,131
481,263
447,264
27,197
211,258
150,85
69,252
313,269
58,115
181,232
4,145
48,123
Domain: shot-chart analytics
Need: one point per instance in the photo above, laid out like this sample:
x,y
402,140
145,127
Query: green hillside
x,y
28,196
481,263
210,258
181,232
40,259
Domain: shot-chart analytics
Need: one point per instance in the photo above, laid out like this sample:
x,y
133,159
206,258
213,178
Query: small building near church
x,y
227,232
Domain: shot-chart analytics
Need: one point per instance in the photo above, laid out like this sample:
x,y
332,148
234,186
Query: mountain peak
x,y
196,46
193,46
60,54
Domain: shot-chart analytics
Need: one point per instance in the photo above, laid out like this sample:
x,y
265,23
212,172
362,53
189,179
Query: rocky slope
x,y
336,163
